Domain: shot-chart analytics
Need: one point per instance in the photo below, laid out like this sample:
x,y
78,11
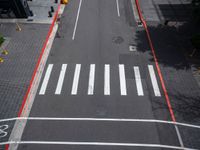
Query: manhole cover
x,y
118,40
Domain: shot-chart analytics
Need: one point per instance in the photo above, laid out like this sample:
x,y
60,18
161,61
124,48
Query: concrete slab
x,y
40,9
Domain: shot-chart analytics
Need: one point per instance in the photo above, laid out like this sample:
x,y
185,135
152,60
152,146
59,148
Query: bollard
x,y
50,14
52,9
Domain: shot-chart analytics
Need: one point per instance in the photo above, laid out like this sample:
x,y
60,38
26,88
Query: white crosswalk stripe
x,y
61,79
76,79
107,80
92,76
46,79
138,81
91,80
154,81
122,80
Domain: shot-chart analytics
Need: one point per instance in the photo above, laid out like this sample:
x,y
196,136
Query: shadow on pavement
x,y
172,43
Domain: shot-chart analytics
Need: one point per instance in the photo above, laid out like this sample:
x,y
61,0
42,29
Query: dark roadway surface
x,y
101,38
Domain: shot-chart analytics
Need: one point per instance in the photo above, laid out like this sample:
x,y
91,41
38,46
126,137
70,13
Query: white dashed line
x,y
77,17
118,12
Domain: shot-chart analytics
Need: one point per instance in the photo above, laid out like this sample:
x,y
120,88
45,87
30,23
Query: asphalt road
x,y
100,78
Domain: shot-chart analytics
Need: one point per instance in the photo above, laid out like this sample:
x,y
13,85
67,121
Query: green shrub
x,y
1,39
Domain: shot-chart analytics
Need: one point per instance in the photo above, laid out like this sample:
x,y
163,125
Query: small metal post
x,y
50,14
52,9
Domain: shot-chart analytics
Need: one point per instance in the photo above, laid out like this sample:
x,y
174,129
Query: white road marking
x,y
132,48
97,144
76,79
61,79
102,119
118,12
3,132
138,81
122,80
77,17
46,79
91,80
107,80
179,136
154,81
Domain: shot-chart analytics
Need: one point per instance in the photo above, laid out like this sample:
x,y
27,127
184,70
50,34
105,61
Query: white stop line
x,y
101,119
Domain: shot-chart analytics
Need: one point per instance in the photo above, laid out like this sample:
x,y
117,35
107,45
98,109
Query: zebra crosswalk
x,y
91,77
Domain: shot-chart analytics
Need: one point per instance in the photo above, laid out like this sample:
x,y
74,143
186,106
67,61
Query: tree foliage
x,y
1,39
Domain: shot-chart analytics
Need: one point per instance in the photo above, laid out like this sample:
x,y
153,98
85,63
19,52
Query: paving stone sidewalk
x,y
24,48
173,47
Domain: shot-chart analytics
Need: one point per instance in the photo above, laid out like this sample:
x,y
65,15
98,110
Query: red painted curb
x,y
156,62
6,146
38,62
